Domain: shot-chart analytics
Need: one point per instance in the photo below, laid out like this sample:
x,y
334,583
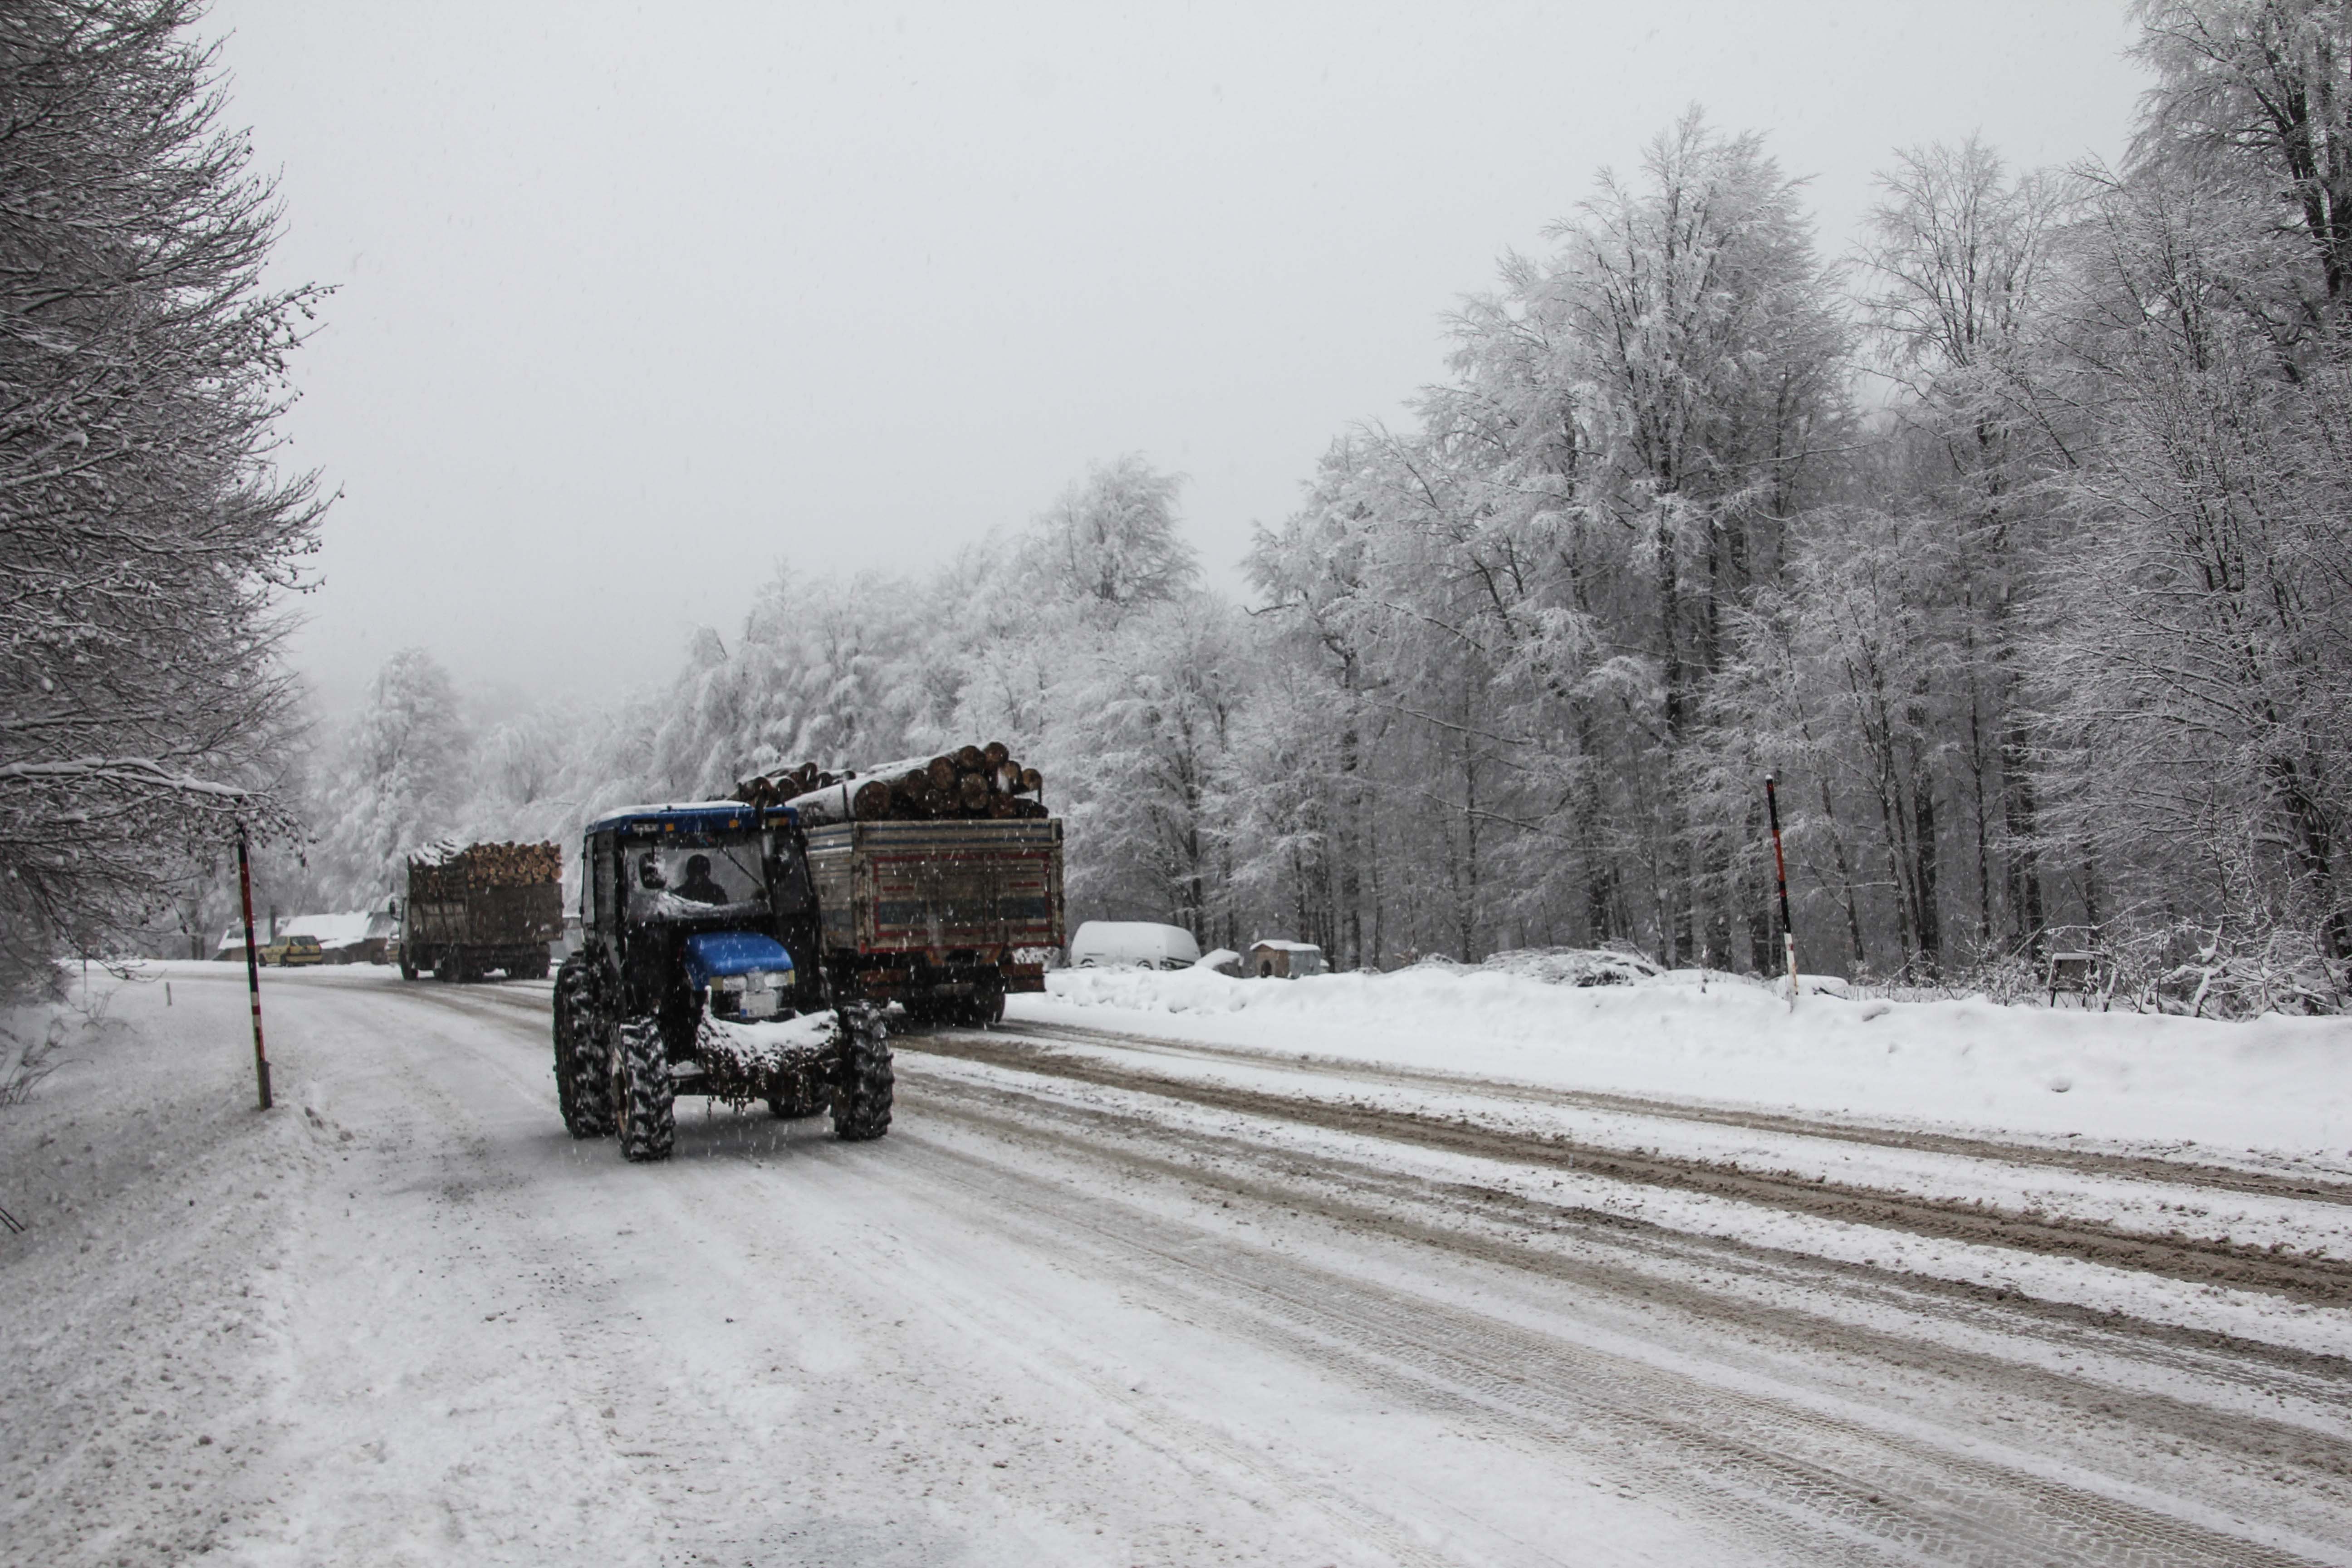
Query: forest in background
x,y
2014,538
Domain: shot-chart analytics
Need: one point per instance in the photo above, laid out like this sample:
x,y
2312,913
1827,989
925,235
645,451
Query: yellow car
x,y
292,951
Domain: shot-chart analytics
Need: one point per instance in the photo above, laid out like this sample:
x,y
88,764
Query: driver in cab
x,y
700,886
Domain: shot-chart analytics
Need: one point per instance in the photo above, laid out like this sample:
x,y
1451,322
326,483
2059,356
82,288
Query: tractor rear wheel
x,y
645,1108
861,1100
583,1088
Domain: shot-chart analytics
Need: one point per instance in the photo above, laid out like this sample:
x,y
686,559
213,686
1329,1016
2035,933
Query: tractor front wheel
x,y
644,1105
861,1100
582,1087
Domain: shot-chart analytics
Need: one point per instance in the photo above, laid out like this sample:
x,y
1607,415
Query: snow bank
x,y
2273,1085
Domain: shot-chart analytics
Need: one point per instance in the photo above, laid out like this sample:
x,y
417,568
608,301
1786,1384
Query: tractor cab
x,y
705,905
700,970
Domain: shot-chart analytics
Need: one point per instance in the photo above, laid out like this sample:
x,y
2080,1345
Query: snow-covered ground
x,y
1314,1272
2275,1087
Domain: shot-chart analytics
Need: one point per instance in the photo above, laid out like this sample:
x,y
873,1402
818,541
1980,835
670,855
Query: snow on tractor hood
x,y
713,954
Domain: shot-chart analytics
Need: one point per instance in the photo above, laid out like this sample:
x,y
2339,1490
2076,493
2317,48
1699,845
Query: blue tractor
x,y
700,970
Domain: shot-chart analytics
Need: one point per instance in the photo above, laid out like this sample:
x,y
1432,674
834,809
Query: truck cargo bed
x,y
916,886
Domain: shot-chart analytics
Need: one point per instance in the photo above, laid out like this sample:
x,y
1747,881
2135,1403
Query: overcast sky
x,y
636,302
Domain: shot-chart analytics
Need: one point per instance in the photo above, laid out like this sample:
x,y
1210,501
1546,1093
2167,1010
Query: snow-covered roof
x,y
329,929
1281,946
655,808
696,814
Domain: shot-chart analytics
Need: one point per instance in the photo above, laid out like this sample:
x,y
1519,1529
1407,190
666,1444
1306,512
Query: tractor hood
x,y
714,955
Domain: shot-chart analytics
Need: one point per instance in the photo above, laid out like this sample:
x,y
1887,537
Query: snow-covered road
x,y
1097,1303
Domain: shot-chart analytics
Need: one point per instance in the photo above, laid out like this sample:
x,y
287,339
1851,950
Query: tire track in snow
x,y
1810,1485
2086,1161
2218,1261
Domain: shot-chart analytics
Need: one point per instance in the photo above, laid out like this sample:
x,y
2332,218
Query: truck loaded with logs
x,y
748,949
482,908
940,878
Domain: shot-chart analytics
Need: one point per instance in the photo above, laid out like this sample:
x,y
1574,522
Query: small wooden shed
x,y
1274,959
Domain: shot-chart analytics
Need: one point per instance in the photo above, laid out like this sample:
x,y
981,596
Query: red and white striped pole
x,y
252,965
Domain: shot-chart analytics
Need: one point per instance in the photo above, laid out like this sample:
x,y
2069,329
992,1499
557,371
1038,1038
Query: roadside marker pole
x,y
1780,873
252,967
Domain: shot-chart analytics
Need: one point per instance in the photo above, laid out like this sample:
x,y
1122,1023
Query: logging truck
x,y
483,907
939,878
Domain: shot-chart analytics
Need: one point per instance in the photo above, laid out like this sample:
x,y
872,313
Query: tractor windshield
x,y
695,877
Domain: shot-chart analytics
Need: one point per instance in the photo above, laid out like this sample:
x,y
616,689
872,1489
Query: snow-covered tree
x,y
1110,542
2258,94
146,537
1959,260
403,778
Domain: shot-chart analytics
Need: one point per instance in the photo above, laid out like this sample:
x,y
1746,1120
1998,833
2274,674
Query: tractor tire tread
x,y
583,1078
644,1098
861,1100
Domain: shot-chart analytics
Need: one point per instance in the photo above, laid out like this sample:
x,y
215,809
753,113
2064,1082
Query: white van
x,y
1112,944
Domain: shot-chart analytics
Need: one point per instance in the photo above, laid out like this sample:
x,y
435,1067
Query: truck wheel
x,y
643,1105
861,1100
581,1089
408,967
977,1011
529,969
449,967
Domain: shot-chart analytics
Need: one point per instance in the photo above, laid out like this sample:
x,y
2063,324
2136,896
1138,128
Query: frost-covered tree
x,y
1139,729
146,536
403,778
1959,259
2199,650
1848,686
1536,581
2259,94
1110,542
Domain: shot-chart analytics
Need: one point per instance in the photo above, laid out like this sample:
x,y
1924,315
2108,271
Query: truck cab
x,y
700,969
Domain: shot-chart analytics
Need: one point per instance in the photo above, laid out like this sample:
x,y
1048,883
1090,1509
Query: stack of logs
x,y
976,781
487,865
